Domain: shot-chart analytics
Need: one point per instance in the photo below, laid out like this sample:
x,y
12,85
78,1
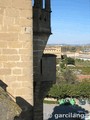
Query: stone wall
x,y
53,49
16,51
41,33
21,48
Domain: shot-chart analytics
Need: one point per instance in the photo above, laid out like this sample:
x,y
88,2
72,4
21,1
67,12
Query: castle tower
x,y
27,73
38,3
48,5
16,51
41,33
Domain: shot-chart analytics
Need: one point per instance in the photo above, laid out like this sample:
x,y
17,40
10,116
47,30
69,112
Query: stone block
x,y
23,78
13,58
9,51
3,58
9,36
16,21
27,71
5,71
14,44
22,91
9,79
1,19
26,13
25,37
3,44
22,4
25,22
3,29
27,44
27,30
25,84
5,3
10,64
24,64
8,20
1,65
26,58
24,51
14,29
0,51
16,85
12,12
17,71
2,10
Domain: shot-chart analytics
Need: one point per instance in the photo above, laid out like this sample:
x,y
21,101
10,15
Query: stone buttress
x,y
44,65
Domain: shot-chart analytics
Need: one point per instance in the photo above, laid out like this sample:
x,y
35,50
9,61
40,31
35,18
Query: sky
x,y
70,22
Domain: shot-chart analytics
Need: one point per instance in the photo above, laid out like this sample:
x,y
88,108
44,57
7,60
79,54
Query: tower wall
x,y
24,33
16,48
41,33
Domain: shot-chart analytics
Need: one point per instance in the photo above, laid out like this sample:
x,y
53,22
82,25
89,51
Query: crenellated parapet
x,y
42,17
38,3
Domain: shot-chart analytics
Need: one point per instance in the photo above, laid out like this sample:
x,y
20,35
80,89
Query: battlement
x,y
41,17
41,3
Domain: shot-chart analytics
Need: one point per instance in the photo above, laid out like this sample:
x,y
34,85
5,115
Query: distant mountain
x,y
64,44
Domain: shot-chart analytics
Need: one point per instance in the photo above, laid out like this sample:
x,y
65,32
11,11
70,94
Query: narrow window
x,y
43,4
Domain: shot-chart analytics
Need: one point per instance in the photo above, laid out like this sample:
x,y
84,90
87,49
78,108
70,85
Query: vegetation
x,y
50,102
82,63
75,48
83,70
67,84
67,60
81,89
83,66
64,74
70,60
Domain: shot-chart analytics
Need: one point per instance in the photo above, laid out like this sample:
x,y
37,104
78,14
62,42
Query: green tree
x,y
70,60
69,76
78,90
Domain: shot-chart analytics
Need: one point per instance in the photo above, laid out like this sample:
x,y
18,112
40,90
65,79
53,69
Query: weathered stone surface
x,y
16,47
8,108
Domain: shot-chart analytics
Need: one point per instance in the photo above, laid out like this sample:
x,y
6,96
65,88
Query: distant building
x,y
53,49
86,50
71,54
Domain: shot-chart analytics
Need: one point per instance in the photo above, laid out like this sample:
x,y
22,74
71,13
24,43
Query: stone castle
x,y
26,71
53,49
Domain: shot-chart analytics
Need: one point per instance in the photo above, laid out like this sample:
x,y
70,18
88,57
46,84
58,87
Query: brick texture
x,y
16,60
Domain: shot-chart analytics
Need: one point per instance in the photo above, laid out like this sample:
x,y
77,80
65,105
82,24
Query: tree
x,y
63,73
69,76
78,90
70,60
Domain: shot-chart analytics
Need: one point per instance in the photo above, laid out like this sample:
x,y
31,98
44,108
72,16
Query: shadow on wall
x,y
26,108
3,85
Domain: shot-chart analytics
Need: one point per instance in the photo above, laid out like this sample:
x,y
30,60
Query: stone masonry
x,y
44,75
27,73
16,48
53,49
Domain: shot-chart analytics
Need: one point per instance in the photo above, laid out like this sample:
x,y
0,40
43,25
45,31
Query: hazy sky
x,y
70,21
